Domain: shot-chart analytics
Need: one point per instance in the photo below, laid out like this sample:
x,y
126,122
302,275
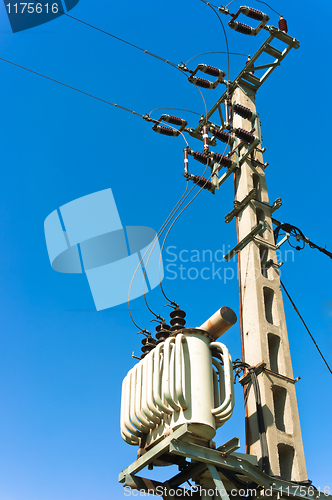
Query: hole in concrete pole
x,y
269,304
274,345
257,185
286,460
260,215
264,257
279,401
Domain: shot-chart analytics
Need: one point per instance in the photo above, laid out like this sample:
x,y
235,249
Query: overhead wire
x,y
140,262
154,242
306,327
169,229
167,61
115,37
71,87
213,7
259,1
216,52
108,102
175,109
207,180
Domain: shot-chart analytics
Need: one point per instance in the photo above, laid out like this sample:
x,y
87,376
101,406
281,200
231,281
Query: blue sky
x,y
62,363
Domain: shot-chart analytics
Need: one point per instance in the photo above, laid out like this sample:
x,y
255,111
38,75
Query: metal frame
x,y
204,458
246,78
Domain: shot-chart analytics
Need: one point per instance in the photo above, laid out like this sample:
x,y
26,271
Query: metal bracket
x,y
228,172
243,467
261,367
240,205
287,236
218,482
199,136
203,458
245,379
256,163
153,453
275,205
244,242
250,149
271,263
249,80
231,445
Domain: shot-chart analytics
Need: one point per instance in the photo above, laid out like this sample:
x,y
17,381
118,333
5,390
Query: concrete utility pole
x,y
263,326
181,391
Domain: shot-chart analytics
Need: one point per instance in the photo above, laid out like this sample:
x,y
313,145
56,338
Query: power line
x,y
169,229
213,7
72,88
312,338
115,37
216,52
133,112
259,1
167,61
89,95
154,241
177,109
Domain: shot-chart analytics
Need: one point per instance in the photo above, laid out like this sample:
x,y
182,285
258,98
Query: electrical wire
x,y
169,229
162,248
167,61
176,109
228,64
212,7
306,327
295,231
164,225
113,104
70,87
216,52
177,217
115,37
259,1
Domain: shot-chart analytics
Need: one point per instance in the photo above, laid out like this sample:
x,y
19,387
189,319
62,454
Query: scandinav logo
x,y
25,15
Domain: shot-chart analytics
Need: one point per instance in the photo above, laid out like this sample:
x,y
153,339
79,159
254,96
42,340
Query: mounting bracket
x,y
244,242
240,205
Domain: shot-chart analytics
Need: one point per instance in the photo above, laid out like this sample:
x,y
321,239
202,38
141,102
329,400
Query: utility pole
x,y
263,326
181,390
